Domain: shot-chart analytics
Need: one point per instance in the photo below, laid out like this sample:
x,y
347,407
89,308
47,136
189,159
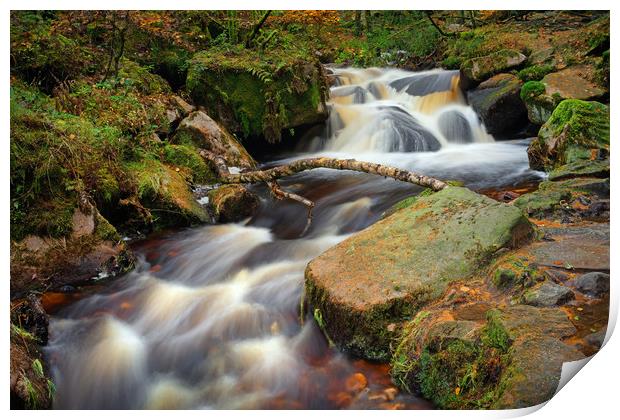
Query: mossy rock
x,y
198,130
142,79
554,198
232,203
577,130
539,105
511,272
165,193
186,156
497,103
581,168
542,96
385,274
91,248
256,94
475,70
511,360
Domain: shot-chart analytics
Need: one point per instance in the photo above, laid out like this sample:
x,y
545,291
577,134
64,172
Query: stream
x,y
210,318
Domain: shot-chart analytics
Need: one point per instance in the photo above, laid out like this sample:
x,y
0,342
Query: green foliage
x,y
536,72
41,56
17,330
494,334
532,89
186,156
37,367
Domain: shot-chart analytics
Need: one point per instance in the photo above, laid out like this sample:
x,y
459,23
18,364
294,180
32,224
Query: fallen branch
x,y
269,176
306,164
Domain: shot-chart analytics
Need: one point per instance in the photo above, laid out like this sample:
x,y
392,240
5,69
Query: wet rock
x,y
573,83
258,95
548,293
565,198
516,355
232,203
475,70
425,83
165,198
534,372
385,273
593,284
202,131
498,104
596,339
583,247
455,127
577,130
92,250
520,320
582,168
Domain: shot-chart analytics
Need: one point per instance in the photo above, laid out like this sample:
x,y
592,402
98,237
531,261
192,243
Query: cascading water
x,y
210,316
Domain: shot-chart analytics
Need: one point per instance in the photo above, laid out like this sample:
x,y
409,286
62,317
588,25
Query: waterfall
x,y
388,110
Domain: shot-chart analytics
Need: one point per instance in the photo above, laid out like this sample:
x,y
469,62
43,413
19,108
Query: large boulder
x,y
497,103
577,130
513,359
93,250
475,70
258,95
202,131
363,287
541,97
162,197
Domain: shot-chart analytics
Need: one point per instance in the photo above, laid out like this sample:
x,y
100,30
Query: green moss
x,y
494,334
165,193
515,272
535,72
104,230
257,94
141,78
186,156
531,89
574,131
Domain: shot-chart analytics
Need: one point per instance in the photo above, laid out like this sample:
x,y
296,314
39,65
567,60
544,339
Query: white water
x,y
210,317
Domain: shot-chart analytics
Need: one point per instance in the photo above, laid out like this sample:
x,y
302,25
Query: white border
x,y
593,393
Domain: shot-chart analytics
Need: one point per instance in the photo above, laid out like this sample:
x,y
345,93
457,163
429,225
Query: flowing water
x,y
210,316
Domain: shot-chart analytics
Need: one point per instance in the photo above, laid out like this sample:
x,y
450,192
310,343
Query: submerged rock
x,y
593,284
386,273
475,70
548,293
251,95
232,203
202,131
577,130
497,103
455,127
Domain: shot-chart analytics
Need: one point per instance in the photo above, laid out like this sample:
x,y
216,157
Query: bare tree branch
x,y
305,164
